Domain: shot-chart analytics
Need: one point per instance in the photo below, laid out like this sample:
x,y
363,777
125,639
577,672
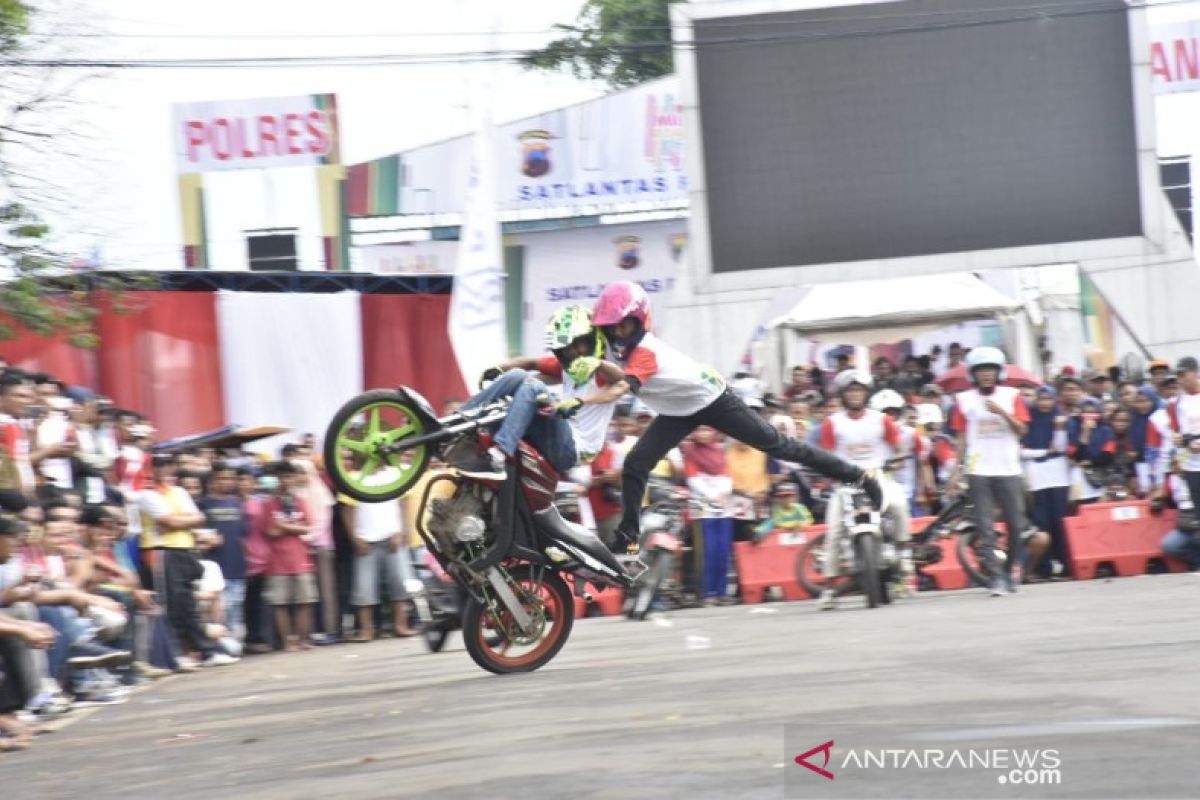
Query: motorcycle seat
x,y
551,522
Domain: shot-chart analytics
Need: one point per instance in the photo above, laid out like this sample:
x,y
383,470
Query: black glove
x,y
869,483
490,374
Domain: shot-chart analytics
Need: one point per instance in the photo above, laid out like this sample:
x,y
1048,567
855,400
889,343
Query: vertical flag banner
x,y
1098,324
476,323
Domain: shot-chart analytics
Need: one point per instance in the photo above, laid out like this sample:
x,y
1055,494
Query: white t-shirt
x,y
992,447
589,426
1181,415
377,522
671,383
867,439
55,429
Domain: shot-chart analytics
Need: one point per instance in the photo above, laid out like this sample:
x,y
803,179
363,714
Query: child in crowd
x,y
787,513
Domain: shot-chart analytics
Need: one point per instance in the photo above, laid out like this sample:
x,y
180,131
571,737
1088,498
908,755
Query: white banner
x,y
623,148
476,323
298,131
289,359
1175,57
573,266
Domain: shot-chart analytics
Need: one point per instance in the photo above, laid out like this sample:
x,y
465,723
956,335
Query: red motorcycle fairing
x,y
538,479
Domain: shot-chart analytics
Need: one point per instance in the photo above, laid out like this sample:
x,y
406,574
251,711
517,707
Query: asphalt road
x,y
704,703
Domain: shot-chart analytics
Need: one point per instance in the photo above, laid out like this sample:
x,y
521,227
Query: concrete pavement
x,y
703,703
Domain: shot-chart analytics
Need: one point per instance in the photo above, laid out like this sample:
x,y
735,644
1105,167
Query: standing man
x,y
990,421
168,542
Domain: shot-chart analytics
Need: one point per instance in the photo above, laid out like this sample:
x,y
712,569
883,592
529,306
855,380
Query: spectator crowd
x,y
121,562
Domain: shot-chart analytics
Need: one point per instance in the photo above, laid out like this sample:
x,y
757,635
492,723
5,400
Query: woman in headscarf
x,y
320,501
1142,435
1091,448
708,479
1046,467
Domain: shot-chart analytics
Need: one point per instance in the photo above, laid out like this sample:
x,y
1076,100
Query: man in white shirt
x,y
380,551
990,421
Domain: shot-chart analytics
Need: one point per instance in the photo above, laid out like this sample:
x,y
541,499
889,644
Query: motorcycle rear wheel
x,y
967,548
353,443
490,649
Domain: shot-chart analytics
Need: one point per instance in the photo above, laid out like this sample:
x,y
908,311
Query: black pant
x,y
258,627
18,683
1192,480
180,568
730,416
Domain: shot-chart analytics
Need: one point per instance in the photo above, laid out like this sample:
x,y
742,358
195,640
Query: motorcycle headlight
x,y
470,529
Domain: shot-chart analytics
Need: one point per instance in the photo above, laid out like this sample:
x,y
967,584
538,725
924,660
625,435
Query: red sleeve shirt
x,y
1021,411
958,423
1153,437
828,436
548,365
891,432
642,364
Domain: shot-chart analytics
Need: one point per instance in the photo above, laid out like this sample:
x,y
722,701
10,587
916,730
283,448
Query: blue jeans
x,y
550,435
1183,546
233,598
58,619
718,542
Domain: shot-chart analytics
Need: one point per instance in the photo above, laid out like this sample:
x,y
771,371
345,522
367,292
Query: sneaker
x,y
489,465
628,540
94,656
150,671
1009,584
220,660
999,589
828,600
185,664
99,696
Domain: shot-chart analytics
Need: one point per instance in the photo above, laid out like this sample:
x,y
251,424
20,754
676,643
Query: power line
x,y
720,22
1035,13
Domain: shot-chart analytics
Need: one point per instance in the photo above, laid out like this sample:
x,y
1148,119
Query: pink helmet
x,y
619,300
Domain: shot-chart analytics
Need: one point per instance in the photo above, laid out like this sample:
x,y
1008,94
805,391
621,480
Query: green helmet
x,y
566,325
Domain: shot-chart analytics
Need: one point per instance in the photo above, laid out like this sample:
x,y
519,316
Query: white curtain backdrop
x,y
289,359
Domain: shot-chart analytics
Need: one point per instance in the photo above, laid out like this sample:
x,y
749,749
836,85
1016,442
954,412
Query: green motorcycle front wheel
x,y
355,456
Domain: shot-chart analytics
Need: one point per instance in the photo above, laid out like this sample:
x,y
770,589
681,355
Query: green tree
x,y
619,42
39,292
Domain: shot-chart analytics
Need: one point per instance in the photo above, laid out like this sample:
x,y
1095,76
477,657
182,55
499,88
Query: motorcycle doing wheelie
x,y
502,541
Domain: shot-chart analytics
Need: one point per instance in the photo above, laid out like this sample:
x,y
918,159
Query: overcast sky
x,y
123,187
120,186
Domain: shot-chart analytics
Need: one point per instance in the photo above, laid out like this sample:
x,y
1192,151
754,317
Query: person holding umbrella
x,y
989,421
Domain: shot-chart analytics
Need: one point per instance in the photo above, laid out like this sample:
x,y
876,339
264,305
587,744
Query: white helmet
x,y
886,399
848,377
986,357
930,414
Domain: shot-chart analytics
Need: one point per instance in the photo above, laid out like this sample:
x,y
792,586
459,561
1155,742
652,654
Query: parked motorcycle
x,y
501,540
663,527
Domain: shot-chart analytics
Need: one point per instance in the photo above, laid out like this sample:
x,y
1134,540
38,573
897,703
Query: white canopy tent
x,y
865,313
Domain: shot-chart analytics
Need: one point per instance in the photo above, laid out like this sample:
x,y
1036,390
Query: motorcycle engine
x,y
458,519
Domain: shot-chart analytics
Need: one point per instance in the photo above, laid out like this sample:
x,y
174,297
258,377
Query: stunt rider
x,y
868,438
567,432
686,395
